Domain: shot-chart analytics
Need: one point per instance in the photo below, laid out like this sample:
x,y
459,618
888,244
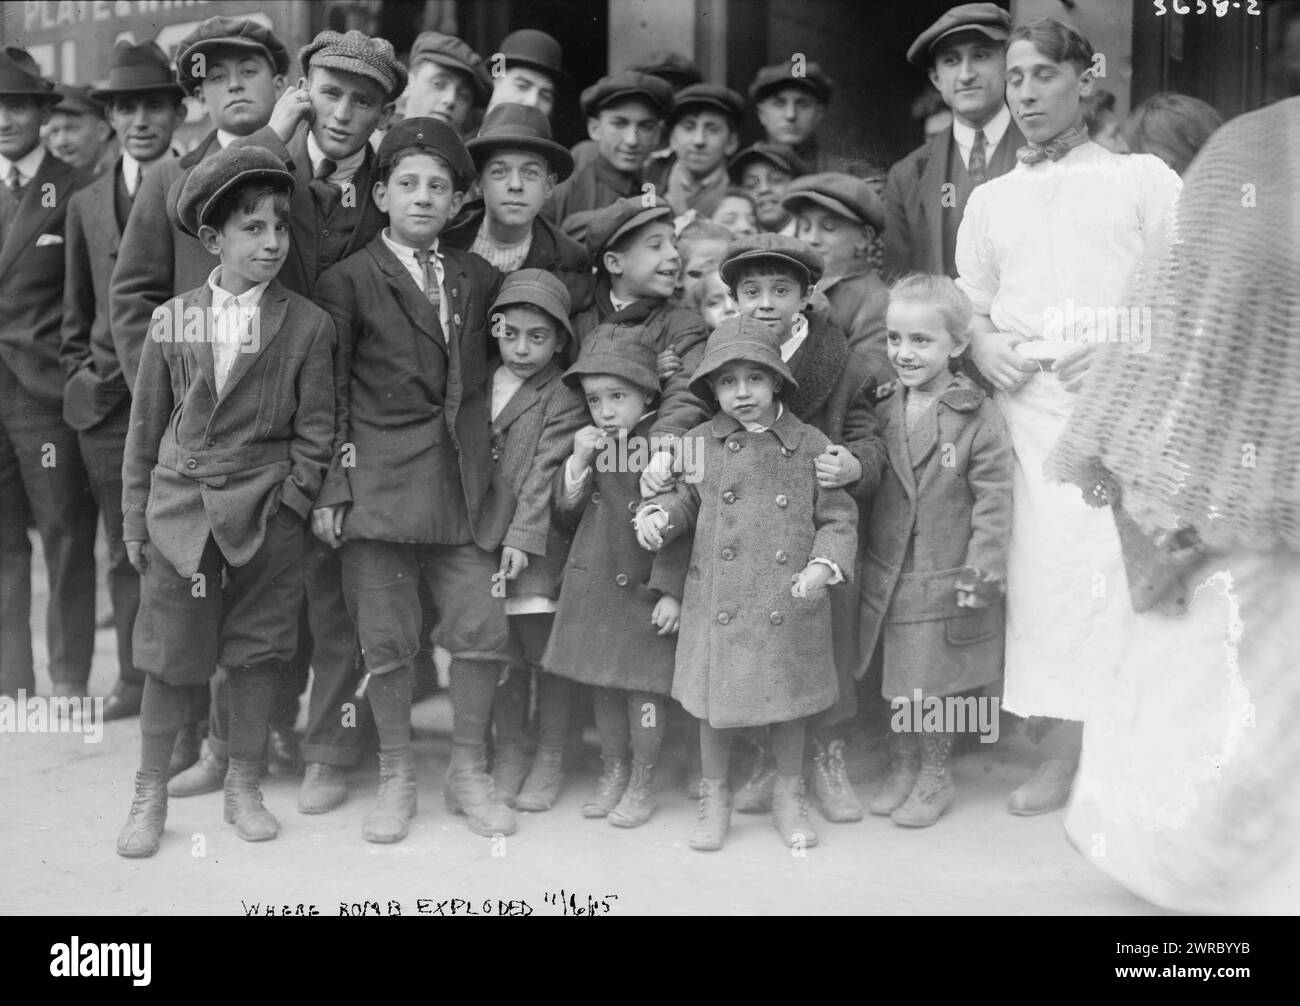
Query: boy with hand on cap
x,y
771,278
839,217
705,133
77,133
534,417
765,170
518,167
409,495
145,105
230,438
790,108
32,429
448,81
625,113
526,70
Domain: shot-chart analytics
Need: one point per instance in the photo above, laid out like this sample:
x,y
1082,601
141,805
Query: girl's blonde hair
x,y
940,293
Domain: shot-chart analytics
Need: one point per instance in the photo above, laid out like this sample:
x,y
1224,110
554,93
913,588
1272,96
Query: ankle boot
x,y
755,795
839,804
389,820
470,792
609,788
904,767
934,791
715,816
244,809
509,767
1048,788
143,830
638,801
542,787
323,788
186,751
207,775
790,812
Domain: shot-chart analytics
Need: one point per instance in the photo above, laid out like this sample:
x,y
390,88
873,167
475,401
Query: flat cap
x,y
511,126
780,155
672,67
779,247
19,75
625,351
809,76
534,49
356,52
630,84
842,194
138,69
227,32
433,135
609,224
453,53
537,288
988,19
216,174
77,100
714,96
739,338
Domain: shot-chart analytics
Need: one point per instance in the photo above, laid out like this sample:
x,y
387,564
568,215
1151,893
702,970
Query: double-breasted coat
x,y
602,633
749,652
942,516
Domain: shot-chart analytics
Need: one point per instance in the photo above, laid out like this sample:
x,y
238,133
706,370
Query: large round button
x,y
775,618
782,500
786,452
728,554
728,497
191,464
733,446
621,579
723,618
781,557
633,506
595,497
212,442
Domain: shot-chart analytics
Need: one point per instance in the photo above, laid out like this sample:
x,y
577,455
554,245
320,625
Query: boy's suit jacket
x,y
914,201
31,278
198,463
413,432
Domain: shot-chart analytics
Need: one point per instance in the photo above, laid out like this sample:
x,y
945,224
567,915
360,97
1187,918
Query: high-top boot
x,y
244,809
934,791
389,820
186,751
323,788
545,778
638,801
755,794
470,792
1048,788
609,788
790,812
509,767
838,802
143,830
715,816
207,775
904,767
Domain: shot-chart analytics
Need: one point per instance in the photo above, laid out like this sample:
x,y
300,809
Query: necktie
x,y
978,166
432,289
14,181
1055,148
325,192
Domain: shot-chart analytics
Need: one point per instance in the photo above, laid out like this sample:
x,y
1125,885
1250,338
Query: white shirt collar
x,y
221,297
798,332
619,303
994,130
225,139
131,169
346,168
755,428
406,254
28,164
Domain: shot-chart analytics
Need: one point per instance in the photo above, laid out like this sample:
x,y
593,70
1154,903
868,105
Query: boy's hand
x,y
327,524
667,615
969,599
812,577
293,107
650,527
585,444
1072,367
513,562
995,355
658,475
135,555
837,468
668,363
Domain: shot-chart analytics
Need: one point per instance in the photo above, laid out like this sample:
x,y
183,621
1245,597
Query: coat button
x,y
633,506
786,452
733,446
781,556
191,464
728,554
595,497
728,497
456,318
621,579
775,618
211,442
782,500
723,618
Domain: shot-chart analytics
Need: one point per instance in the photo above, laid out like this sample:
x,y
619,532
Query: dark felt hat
x,y
21,77
224,32
739,338
356,52
987,19
511,126
540,289
218,173
431,134
810,76
624,351
672,67
617,86
781,247
77,100
455,54
842,194
534,49
782,155
714,96
138,69
619,217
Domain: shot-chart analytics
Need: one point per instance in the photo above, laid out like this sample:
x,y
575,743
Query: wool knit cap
x,y
356,52
223,32
740,338
621,350
215,175
537,288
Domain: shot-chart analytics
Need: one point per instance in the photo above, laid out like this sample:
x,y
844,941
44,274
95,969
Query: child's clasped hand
x,y
837,468
812,577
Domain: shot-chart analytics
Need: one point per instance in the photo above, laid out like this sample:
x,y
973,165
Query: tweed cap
x,y
624,351
739,338
138,69
842,194
780,155
215,175
537,288
455,54
20,76
229,33
777,247
652,90
779,75
620,217
511,126
431,134
987,19
356,52
713,96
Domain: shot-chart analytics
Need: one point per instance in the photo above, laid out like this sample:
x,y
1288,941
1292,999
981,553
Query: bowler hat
x,y
781,155
624,351
20,76
77,101
988,19
535,49
137,69
455,54
218,173
809,76
755,247
537,288
431,134
739,338
356,52
715,96
842,194
620,217
222,32
652,90
511,126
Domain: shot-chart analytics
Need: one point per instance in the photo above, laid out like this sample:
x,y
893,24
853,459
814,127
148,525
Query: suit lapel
x,y
525,397
201,350
408,295
32,214
302,216
269,318
932,195
102,211
896,442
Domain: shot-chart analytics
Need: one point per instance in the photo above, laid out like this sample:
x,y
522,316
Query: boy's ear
x,y
733,143
380,194
457,200
613,263
280,83
549,188
866,234
385,117
210,238
593,127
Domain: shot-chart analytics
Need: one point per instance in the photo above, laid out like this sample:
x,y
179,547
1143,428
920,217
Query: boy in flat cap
x,y
625,114
705,133
448,81
78,133
230,438
41,471
409,497
790,108
518,168
526,70
765,170
839,217
964,54
145,105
